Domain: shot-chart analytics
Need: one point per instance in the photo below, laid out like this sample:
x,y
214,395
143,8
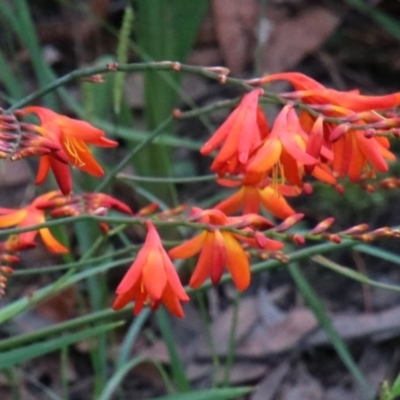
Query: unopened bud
x,y
298,239
176,66
368,187
367,238
338,132
382,232
333,238
9,258
177,113
218,70
307,188
340,189
322,226
112,66
4,269
148,209
369,133
355,229
389,183
289,222
98,78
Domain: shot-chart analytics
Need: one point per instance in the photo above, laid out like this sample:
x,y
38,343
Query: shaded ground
x,y
279,349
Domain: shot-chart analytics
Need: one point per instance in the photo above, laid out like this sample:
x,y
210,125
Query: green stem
x,y
134,67
232,341
125,161
192,179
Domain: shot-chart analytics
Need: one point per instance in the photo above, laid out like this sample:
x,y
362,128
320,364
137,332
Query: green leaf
x,y
212,394
338,343
12,357
178,370
395,391
122,56
166,31
350,273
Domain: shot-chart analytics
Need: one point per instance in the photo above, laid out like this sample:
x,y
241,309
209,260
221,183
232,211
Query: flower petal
x,y
237,261
190,247
51,242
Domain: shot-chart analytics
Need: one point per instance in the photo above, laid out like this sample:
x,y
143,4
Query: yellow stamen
x,y
72,145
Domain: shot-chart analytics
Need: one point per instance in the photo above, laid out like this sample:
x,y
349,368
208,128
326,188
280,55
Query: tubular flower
x,y
352,151
85,203
238,136
283,151
251,196
312,92
73,136
152,279
19,139
29,216
219,249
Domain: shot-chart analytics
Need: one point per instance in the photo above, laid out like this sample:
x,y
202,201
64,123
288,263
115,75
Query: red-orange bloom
x,y
284,151
352,151
219,249
312,92
73,136
238,136
252,195
29,216
152,278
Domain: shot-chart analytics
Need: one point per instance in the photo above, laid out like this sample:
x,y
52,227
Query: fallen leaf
x,y
235,22
294,38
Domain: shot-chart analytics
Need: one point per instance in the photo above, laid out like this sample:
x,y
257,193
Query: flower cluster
x,y
56,205
319,134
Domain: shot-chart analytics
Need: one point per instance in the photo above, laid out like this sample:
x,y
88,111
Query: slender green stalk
x,y
125,161
134,67
192,179
76,323
232,341
337,342
178,370
200,297
130,338
64,371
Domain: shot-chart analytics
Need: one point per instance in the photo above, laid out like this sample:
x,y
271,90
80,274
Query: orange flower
x,y
353,153
219,249
284,150
312,92
72,135
29,216
252,195
151,278
239,135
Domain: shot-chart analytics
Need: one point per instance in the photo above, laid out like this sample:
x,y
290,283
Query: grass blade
x,y
178,370
324,321
21,354
122,57
212,394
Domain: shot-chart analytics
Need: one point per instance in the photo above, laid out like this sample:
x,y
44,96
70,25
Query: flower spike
x,y
73,136
152,278
28,216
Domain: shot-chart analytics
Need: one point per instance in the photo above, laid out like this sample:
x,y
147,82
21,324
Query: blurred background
x,y
279,349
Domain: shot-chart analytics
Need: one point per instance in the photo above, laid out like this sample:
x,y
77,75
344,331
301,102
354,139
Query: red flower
x,y
283,150
353,152
151,278
72,135
29,216
312,92
238,136
220,248
251,195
